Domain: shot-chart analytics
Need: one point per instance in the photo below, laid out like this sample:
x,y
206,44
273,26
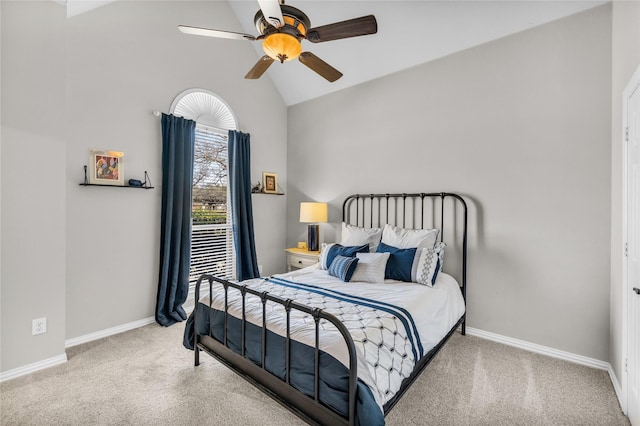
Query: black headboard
x,y
416,211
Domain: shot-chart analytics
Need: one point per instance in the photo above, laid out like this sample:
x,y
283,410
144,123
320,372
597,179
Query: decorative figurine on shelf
x,y
139,183
147,180
257,188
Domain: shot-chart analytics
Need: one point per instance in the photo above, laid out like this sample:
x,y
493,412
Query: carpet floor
x,y
146,377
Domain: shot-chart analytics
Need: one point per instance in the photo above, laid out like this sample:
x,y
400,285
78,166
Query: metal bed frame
x,y
363,210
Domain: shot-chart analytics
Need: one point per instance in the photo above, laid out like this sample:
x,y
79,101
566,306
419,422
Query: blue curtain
x,y
240,187
178,137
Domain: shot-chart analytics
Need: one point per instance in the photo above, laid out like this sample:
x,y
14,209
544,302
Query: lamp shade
x,y
282,46
313,212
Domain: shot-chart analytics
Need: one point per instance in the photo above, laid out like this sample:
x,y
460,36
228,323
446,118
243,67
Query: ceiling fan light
x,y
282,47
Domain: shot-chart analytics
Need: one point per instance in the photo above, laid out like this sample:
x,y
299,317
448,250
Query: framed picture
x,y
270,182
106,168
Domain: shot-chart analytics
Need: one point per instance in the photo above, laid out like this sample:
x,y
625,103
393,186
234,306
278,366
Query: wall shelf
x,y
269,193
116,186
145,185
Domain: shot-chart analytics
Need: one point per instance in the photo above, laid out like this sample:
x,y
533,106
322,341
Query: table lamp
x,y
313,214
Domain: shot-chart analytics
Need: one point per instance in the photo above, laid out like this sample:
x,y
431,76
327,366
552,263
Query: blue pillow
x,y
400,262
343,267
330,251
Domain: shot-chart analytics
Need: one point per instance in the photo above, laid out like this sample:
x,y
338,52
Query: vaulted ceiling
x,y
409,33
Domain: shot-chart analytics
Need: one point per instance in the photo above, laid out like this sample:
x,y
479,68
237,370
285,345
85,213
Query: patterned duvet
x,y
392,324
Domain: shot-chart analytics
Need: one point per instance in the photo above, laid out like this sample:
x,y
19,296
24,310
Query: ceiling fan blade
x,y
320,66
351,28
214,33
259,68
272,12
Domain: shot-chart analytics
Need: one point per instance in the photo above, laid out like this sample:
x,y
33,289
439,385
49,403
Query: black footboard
x,y
308,407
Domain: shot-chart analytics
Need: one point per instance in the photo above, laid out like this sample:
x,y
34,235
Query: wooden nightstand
x,y
301,258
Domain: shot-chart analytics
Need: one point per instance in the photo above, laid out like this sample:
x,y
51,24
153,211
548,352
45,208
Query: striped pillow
x,y
343,267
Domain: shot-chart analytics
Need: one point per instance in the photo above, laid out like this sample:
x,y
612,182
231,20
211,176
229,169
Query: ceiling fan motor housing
x,y
296,23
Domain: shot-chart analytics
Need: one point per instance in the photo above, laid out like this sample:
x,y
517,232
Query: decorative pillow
x,y
370,267
427,264
409,238
356,236
343,267
330,251
400,262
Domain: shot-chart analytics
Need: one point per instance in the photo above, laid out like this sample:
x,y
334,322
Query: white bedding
x,y
435,310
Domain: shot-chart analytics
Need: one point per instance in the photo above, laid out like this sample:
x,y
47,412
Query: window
x,y
212,249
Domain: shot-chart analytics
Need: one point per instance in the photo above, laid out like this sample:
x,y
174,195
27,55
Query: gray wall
x,y
131,56
87,258
33,181
521,127
625,60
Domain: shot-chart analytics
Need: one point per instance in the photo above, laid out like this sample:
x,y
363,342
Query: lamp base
x,y
313,238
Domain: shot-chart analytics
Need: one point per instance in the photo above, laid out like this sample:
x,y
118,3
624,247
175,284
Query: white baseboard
x,y
555,353
544,350
40,365
618,389
31,368
107,332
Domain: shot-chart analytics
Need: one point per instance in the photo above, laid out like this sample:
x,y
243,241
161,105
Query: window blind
x,y
212,248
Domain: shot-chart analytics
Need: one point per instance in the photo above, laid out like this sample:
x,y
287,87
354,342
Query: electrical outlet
x,y
260,269
38,326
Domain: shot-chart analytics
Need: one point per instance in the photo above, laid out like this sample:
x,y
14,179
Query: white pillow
x,y
356,236
409,238
370,268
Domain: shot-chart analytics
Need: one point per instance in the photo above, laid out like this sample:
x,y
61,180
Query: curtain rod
x,y
158,113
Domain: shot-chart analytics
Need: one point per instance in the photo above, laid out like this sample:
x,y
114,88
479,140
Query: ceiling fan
x,y
282,29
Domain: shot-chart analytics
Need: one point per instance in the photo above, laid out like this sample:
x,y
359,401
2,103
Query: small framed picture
x,y
106,168
270,182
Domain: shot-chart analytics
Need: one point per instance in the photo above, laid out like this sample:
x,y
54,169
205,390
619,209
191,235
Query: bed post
x,y
464,263
196,349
